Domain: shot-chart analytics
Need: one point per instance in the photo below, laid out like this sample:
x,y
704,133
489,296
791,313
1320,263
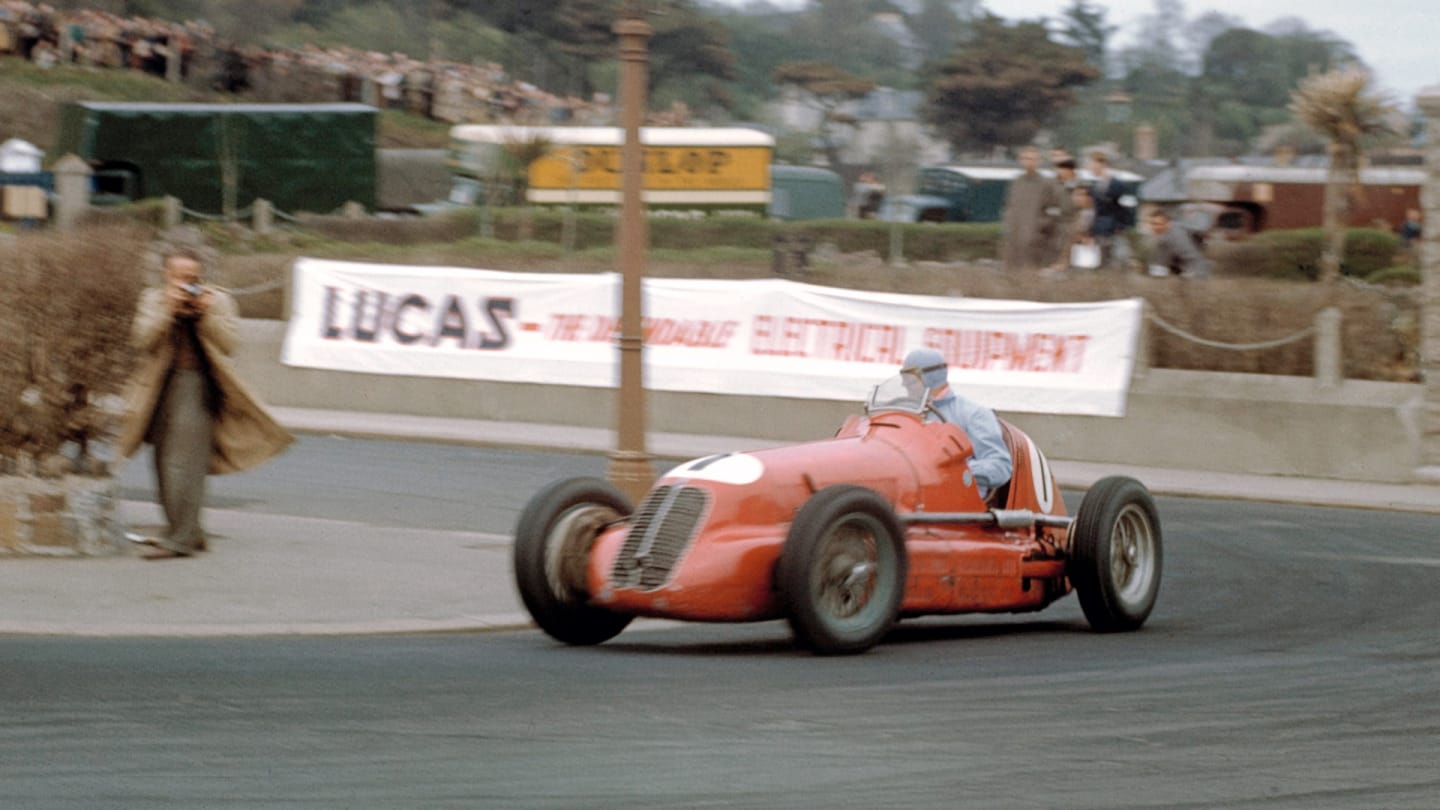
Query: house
x,y
882,132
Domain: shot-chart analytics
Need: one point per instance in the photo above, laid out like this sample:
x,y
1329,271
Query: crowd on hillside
x,y
446,91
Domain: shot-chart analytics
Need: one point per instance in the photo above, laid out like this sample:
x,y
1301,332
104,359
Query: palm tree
x,y
507,176
520,154
1341,106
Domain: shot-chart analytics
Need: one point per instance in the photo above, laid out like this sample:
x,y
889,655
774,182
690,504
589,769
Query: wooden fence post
x,y
1141,366
72,190
174,211
263,217
1329,355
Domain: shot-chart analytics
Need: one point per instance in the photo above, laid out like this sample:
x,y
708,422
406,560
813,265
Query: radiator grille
x,y
660,532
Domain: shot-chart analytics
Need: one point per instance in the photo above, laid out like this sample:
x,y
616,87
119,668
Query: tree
x,y
690,57
761,43
845,33
1341,106
828,88
1004,85
248,22
1251,65
940,28
1308,51
1083,26
1248,76
1156,42
555,45
1204,29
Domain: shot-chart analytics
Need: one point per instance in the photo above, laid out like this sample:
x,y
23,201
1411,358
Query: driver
x,y
991,465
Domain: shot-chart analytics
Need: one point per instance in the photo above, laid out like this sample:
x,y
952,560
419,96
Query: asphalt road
x,y
1291,663
387,483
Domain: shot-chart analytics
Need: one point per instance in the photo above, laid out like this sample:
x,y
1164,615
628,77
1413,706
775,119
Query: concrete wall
x,y
1250,423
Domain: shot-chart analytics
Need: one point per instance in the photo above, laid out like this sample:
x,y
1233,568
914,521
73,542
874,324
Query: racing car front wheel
x,y
1116,554
841,573
553,538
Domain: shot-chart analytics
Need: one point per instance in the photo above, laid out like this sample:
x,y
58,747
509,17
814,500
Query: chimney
x,y
1147,144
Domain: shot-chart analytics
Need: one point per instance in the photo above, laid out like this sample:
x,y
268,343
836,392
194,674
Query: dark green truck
x,y
220,158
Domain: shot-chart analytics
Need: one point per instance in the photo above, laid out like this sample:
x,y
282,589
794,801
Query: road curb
x,y
462,624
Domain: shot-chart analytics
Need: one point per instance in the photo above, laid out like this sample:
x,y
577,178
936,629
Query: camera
x,y
192,290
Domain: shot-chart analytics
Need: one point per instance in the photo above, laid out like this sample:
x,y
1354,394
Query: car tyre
x,y
553,538
1116,554
842,571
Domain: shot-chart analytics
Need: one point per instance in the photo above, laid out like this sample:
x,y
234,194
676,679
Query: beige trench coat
x,y
1034,206
245,434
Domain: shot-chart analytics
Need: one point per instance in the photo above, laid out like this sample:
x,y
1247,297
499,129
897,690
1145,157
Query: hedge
x,y
1296,253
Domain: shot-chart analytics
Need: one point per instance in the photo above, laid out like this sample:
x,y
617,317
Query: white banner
x,y
762,337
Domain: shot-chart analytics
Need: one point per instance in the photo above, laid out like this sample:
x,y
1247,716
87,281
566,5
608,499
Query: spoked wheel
x,y
553,538
1116,554
842,571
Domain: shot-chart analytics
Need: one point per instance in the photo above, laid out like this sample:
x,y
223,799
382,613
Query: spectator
x,y
1114,212
1173,251
187,401
1082,252
1065,173
868,195
1067,235
1034,207
1410,228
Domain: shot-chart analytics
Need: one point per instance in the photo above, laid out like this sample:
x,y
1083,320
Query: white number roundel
x,y
1040,478
730,468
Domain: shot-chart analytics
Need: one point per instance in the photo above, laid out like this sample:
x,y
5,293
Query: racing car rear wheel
x,y
842,571
552,548
1116,554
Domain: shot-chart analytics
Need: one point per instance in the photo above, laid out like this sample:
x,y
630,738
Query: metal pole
x,y
630,468
1429,261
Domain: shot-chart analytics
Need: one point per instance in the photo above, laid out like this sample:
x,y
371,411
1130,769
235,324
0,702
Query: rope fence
x,y
1324,334
204,217
177,213
1409,294
1303,334
256,289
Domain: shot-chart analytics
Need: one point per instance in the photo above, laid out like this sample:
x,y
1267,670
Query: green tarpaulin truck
x,y
968,194
220,158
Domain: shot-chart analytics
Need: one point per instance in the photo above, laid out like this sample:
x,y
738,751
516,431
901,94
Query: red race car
x,y
840,537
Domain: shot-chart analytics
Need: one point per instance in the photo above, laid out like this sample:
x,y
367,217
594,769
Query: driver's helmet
x,y
928,364
909,390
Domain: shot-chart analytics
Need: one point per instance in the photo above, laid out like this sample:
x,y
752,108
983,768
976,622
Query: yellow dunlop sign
x,y
678,168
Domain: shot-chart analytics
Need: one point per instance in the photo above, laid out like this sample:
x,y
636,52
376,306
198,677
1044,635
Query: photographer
x,y
187,401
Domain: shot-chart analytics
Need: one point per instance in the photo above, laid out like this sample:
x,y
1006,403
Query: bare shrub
x,y
66,303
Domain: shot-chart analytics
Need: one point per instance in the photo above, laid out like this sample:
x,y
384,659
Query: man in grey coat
x,y
1034,212
1173,251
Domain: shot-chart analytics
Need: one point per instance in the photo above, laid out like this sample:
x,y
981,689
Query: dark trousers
x,y
181,431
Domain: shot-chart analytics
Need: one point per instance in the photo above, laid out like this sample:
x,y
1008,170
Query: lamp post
x,y
630,468
1429,265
